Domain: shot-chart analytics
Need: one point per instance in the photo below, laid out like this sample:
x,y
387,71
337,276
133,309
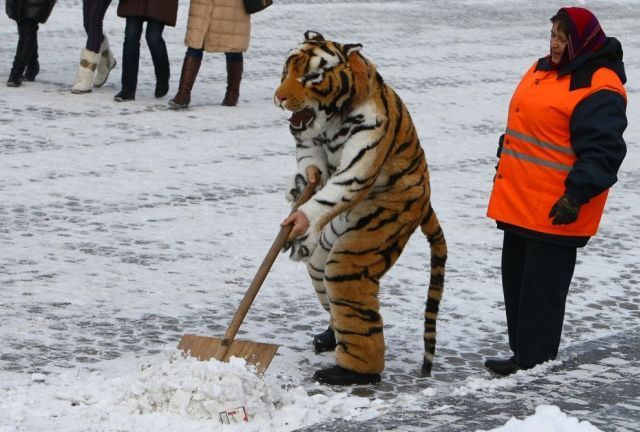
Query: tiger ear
x,y
363,73
310,35
347,49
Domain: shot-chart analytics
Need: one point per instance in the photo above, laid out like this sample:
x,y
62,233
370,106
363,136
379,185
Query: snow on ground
x,y
174,393
547,418
124,226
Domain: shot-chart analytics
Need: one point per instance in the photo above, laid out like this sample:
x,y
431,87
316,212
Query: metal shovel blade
x,y
205,348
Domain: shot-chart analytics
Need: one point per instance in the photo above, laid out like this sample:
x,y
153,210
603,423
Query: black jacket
x,y
34,10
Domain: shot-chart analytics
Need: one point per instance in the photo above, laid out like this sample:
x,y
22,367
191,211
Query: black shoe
x,y
15,79
502,367
337,375
33,69
162,88
124,96
325,341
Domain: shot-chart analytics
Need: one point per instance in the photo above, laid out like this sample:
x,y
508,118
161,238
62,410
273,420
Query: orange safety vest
x,y
537,155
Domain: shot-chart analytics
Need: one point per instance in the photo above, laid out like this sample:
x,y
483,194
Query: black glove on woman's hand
x,y
565,211
500,146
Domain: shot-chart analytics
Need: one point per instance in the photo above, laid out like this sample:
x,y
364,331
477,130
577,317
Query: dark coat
x,y
164,11
36,10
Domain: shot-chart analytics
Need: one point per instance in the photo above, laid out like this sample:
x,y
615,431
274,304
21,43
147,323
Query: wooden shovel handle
x,y
262,273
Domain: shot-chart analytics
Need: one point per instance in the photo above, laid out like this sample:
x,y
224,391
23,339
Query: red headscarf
x,y
585,34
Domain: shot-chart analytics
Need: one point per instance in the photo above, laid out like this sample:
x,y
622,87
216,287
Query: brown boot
x,y
190,68
234,76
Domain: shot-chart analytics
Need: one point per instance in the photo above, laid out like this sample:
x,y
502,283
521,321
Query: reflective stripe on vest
x,y
537,155
534,140
536,160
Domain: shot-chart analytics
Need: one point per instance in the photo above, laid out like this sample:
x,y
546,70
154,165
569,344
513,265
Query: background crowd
x,y
213,26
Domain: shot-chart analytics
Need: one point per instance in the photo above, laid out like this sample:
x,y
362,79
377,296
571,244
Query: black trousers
x,y
27,48
93,14
535,279
131,51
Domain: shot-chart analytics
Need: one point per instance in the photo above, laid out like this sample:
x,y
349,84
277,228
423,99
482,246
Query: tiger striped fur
x,y
374,193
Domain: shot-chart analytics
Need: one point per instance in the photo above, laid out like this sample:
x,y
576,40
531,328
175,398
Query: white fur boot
x,y
86,71
106,63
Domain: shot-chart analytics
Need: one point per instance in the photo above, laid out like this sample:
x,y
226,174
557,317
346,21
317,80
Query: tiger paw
x,y
295,186
302,247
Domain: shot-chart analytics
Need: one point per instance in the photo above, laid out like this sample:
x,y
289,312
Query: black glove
x,y
500,146
565,211
498,153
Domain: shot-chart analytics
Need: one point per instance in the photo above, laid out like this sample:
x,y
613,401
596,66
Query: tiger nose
x,y
281,98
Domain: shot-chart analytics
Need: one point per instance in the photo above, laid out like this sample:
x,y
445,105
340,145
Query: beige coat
x,y
218,26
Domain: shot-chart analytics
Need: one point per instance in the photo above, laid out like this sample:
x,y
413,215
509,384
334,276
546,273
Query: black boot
x,y
33,67
124,95
234,76
15,78
337,375
161,68
502,367
27,44
162,88
130,60
158,50
325,341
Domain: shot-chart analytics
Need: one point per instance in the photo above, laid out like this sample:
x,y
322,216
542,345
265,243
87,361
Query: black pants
x,y
93,14
131,51
27,48
535,279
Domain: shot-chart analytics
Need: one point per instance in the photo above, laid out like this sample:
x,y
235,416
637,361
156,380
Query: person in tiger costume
x,y
373,193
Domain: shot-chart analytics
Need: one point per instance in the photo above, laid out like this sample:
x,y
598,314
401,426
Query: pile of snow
x,y
547,418
205,390
173,392
200,389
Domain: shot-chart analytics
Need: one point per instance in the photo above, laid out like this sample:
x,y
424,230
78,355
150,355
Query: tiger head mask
x,y
322,79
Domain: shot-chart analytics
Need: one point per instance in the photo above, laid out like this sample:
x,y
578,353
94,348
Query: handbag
x,y
253,6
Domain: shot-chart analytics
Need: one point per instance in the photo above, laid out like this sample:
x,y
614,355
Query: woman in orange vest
x,y
559,156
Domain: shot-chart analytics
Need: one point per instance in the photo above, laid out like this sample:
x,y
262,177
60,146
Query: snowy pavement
x,y
125,225
598,383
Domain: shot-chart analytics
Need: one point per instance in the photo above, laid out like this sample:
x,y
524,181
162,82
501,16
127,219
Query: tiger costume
x,y
374,193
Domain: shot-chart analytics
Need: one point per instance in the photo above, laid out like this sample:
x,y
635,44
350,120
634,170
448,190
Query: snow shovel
x,y
256,353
